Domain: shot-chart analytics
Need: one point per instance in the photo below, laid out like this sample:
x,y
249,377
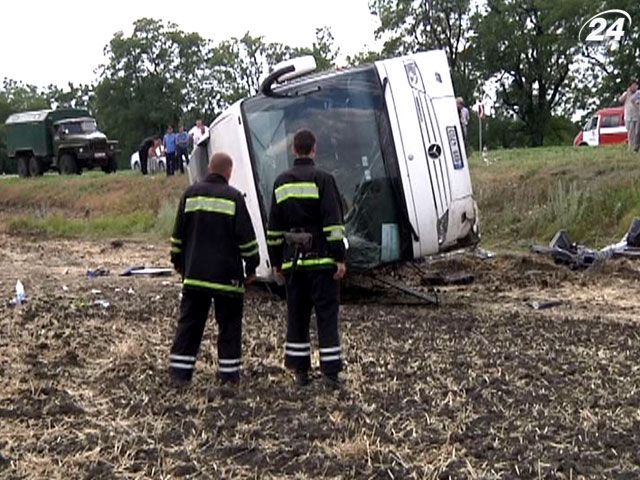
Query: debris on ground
x,y
565,251
150,271
21,296
440,279
482,387
544,304
98,272
102,303
117,244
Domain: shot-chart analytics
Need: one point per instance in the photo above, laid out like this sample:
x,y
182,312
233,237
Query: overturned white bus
x,y
390,135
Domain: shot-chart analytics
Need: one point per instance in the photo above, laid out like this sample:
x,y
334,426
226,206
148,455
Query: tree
x,y
613,64
16,97
73,96
529,47
239,65
150,79
411,26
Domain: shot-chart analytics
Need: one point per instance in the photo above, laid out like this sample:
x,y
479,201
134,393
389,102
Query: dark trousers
x,y
194,311
306,290
182,158
144,157
171,159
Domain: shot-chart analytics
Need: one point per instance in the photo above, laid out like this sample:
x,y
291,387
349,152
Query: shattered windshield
x,y
344,112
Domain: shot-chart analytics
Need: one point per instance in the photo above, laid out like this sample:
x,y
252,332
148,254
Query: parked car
x,y
153,166
605,127
66,140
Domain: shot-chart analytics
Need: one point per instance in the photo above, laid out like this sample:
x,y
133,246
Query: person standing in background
x,y
631,100
463,113
197,132
169,142
148,148
182,148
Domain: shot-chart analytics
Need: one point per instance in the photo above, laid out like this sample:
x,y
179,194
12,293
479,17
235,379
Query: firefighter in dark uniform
x,y
213,234
306,244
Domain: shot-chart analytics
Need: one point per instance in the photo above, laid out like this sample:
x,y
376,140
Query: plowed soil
x,y
482,387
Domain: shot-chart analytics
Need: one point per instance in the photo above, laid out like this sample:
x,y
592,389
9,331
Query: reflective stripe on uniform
x,y
275,233
297,349
329,358
330,350
176,250
184,366
177,241
292,353
307,190
229,361
184,358
210,204
334,233
248,245
212,285
229,369
275,243
251,253
310,262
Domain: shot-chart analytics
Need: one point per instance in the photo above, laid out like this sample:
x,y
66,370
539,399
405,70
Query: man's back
x,y
306,198
214,229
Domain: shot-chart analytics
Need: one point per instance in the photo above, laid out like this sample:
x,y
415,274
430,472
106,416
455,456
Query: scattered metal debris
x,y
567,252
98,272
544,304
150,271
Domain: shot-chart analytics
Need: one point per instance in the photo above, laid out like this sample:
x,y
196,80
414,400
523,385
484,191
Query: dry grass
x,y
483,387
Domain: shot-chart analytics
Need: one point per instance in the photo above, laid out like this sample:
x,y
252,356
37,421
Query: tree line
x,y
525,53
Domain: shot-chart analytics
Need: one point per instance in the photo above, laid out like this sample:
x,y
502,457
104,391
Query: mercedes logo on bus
x,y
434,150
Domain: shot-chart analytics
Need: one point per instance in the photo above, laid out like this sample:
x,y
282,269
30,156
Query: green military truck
x,y
66,140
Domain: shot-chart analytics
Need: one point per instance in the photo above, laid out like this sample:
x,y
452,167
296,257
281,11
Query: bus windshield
x,y
344,111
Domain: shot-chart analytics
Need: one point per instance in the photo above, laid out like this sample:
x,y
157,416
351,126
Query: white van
x,y
390,135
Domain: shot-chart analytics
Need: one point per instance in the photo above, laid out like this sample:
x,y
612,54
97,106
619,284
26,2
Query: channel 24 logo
x,y
606,26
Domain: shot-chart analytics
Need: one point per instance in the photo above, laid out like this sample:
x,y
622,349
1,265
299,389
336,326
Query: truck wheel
x,y
111,166
35,166
23,167
68,164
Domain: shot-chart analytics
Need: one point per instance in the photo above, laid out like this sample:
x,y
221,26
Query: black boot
x,y
302,378
332,381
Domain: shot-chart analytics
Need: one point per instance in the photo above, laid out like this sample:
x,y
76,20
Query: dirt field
x,y
482,387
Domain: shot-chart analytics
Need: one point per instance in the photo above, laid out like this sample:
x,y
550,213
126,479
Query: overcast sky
x,y
43,42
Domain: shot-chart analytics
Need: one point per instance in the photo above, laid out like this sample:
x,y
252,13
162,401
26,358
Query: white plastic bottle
x,y
21,296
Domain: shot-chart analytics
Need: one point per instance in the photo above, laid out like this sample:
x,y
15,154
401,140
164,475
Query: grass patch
x,y
101,227
93,205
526,195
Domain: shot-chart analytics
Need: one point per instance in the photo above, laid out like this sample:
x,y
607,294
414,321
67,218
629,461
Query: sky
x,y
45,42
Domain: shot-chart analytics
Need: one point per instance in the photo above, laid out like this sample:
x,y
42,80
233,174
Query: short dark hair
x,y
220,162
303,142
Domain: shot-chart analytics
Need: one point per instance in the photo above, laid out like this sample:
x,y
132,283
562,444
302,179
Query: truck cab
x,y
66,140
390,135
605,127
